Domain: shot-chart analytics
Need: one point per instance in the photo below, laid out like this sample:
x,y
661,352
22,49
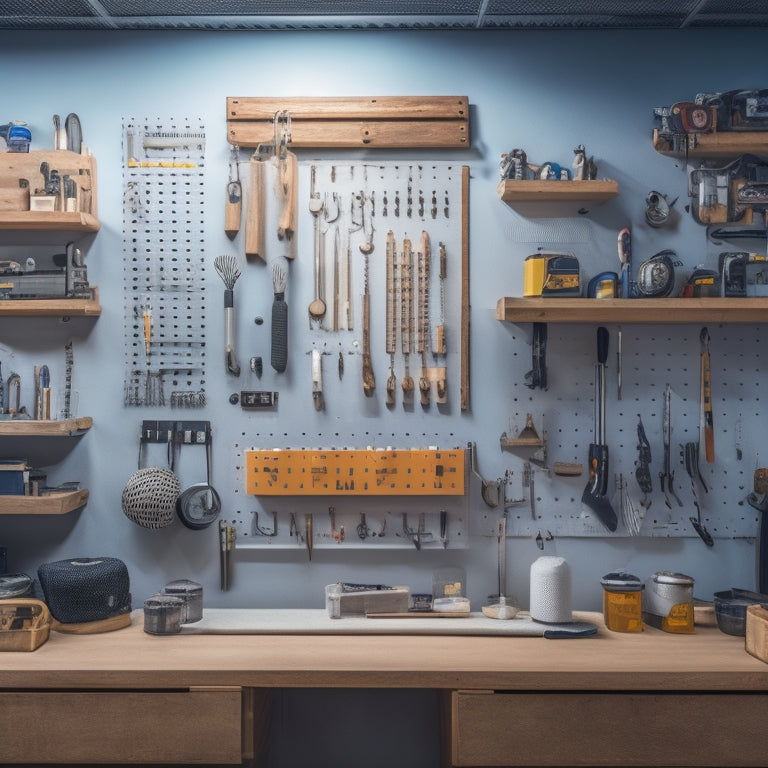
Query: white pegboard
x,y
652,357
164,262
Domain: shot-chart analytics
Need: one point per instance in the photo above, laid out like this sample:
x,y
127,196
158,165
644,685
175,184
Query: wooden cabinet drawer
x,y
608,728
198,725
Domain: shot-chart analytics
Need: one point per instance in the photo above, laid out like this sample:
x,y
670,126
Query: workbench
x,y
645,699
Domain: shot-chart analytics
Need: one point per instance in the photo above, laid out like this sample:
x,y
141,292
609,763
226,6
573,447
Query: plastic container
x,y
668,602
450,581
731,609
622,602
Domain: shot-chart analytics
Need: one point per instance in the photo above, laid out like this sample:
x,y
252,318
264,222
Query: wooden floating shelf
x,y
51,307
382,122
541,198
47,428
724,144
705,310
47,221
49,504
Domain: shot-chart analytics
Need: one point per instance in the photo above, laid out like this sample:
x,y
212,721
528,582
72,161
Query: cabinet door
x,y
608,729
199,725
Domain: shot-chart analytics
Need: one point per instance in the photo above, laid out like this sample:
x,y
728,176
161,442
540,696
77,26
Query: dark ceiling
x,y
382,14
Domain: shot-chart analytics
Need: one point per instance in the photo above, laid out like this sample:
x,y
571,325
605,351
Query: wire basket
x,y
149,497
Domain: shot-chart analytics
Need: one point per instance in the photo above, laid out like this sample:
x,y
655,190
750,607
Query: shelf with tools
x,y
51,307
548,198
578,310
716,144
56,503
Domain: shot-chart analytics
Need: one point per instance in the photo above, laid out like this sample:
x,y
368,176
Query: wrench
x,y
668,475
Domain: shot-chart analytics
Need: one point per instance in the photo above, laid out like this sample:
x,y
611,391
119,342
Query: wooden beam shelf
x,y
57,503
726,144
46,428
578,310
541,198
382,122
51,307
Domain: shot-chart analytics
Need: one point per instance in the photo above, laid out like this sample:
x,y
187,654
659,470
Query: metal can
x,y
668,602
622,602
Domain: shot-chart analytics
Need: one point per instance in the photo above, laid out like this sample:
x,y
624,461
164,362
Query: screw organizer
x,y
164,262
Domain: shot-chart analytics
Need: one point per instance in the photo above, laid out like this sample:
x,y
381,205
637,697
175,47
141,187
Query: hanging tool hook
x,y
258,530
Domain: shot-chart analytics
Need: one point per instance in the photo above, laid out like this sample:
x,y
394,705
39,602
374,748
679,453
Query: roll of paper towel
x,y
551,590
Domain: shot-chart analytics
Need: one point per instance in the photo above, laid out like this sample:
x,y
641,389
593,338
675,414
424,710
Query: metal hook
x,y
259,531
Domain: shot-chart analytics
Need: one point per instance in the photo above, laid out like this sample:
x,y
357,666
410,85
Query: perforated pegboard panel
x,y
164,262
652,357
361,203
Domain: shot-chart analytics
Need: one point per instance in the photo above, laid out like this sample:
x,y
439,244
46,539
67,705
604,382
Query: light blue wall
x,y
544,91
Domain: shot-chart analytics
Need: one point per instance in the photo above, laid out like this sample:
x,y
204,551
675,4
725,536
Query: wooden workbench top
x,y
130,658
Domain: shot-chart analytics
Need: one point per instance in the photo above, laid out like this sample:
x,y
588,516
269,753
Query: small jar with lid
x,y
622,602
192,594
668,602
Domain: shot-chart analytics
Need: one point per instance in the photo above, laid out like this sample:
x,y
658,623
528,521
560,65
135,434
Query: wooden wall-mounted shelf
x,y
59,503
382,122
51,307
46,428
541,198
724,144
709,310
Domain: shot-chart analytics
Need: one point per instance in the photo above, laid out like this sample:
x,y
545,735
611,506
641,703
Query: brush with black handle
x,y
279,352
594,496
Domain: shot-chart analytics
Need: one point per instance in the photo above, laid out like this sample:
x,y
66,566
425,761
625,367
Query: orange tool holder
x,y
288,472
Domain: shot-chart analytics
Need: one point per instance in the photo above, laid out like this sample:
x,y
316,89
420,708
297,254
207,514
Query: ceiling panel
x,y
384,14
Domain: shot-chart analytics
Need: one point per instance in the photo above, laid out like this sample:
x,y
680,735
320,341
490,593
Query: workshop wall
x,y
543,91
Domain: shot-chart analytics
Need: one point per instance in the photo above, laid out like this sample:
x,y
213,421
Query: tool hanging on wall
x,y
317,306
643,470
406,314
595,494
288,179
422,327
233,207
279,353
668,476
255,210
537,376
228,269
706,397
369,381
691,453
317,379
227,536
391,315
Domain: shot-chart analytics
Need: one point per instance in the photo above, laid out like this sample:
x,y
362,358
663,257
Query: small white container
x,y
551,590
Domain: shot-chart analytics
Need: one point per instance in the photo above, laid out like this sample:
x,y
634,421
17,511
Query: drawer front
x,y
200,725
608,729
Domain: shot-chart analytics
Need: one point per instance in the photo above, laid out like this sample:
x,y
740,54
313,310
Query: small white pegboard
x,y
164,262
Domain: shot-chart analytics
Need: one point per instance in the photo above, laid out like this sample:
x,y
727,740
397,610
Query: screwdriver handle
x,y
602,345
